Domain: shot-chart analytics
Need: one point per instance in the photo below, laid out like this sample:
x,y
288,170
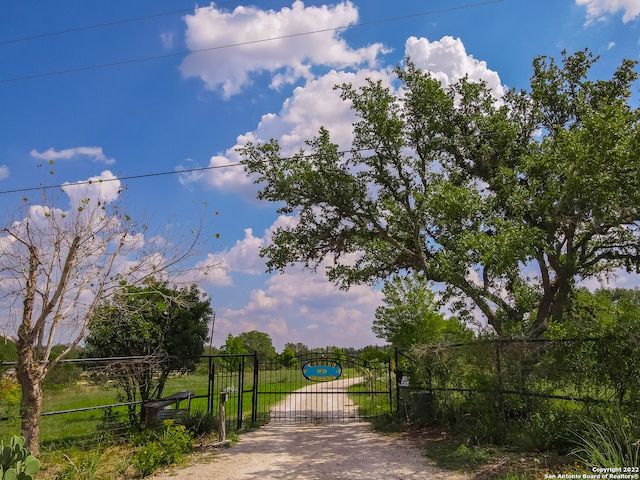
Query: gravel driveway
x,y
328,451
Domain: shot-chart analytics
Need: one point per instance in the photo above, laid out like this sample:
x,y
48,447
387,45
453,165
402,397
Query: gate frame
x,y
345,360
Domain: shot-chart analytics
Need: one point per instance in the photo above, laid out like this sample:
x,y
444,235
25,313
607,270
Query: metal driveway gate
x,y
232,380
323,388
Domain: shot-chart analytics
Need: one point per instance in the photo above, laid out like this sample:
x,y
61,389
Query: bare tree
x,y
57,265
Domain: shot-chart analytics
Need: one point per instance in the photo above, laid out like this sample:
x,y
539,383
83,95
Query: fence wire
x,y
517,378
90,400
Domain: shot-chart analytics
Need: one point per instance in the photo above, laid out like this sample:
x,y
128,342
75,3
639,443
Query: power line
x,y
251,42
130,177
109,24
153,174
173,172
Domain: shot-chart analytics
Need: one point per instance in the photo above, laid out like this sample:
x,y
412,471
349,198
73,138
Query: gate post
x,y
210,386
254,395
240,393
396,370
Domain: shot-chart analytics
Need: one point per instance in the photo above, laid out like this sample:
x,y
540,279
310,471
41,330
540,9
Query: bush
x,y
199,422
550,427
160,448
149,458
10,394
610,440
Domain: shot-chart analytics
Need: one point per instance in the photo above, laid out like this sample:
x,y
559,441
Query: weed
x,y
453,455
199,422
165,447
149,458
609,441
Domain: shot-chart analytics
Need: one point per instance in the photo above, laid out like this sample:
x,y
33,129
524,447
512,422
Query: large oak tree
x,y
507,202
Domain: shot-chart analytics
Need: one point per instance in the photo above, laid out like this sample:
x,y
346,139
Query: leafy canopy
x,y
410,316
168,325
507,202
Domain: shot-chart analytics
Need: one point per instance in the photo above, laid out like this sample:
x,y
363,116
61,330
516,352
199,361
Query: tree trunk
x,y
30,378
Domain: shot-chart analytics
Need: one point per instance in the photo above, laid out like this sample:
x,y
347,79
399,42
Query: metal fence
x,y
517,377
86,400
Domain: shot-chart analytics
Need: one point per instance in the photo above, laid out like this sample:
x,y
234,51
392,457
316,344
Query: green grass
x,y
83,426
375,404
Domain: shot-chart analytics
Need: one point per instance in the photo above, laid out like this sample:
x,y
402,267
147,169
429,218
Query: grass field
x,y
92,423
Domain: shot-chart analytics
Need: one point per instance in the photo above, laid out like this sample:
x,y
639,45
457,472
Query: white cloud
x,y
102,188
95,153
619,278
448,61
598,9
243,257
288,59
167,40
317,104
296,303
4,172
311,106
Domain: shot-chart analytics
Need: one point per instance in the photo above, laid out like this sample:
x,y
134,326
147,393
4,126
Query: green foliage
x,y
450,183
300,349
372,354
84,469
155,321
410,315
149,458
10,394
609,440
453,455
62,376
611,363
233,346
259,342
199,422
112,426
16,462
288,358
8,350
248,343
339,355
550,427
164,447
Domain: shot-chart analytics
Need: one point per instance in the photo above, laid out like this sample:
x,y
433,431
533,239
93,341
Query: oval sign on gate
x,y
321,372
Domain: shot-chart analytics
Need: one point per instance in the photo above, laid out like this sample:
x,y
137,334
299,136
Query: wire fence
x,y
89,400
515,379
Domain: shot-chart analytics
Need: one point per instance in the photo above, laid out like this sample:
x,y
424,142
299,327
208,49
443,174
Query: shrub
x,y
199,422
608,441
149,458
175,441
10,394
160,448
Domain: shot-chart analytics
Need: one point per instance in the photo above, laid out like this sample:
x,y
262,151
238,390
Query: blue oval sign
x,y
321,372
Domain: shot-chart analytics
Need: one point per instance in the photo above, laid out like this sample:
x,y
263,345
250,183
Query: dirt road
x,y
329,451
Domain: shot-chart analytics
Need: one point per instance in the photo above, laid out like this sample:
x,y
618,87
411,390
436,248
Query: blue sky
x,y
190,87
